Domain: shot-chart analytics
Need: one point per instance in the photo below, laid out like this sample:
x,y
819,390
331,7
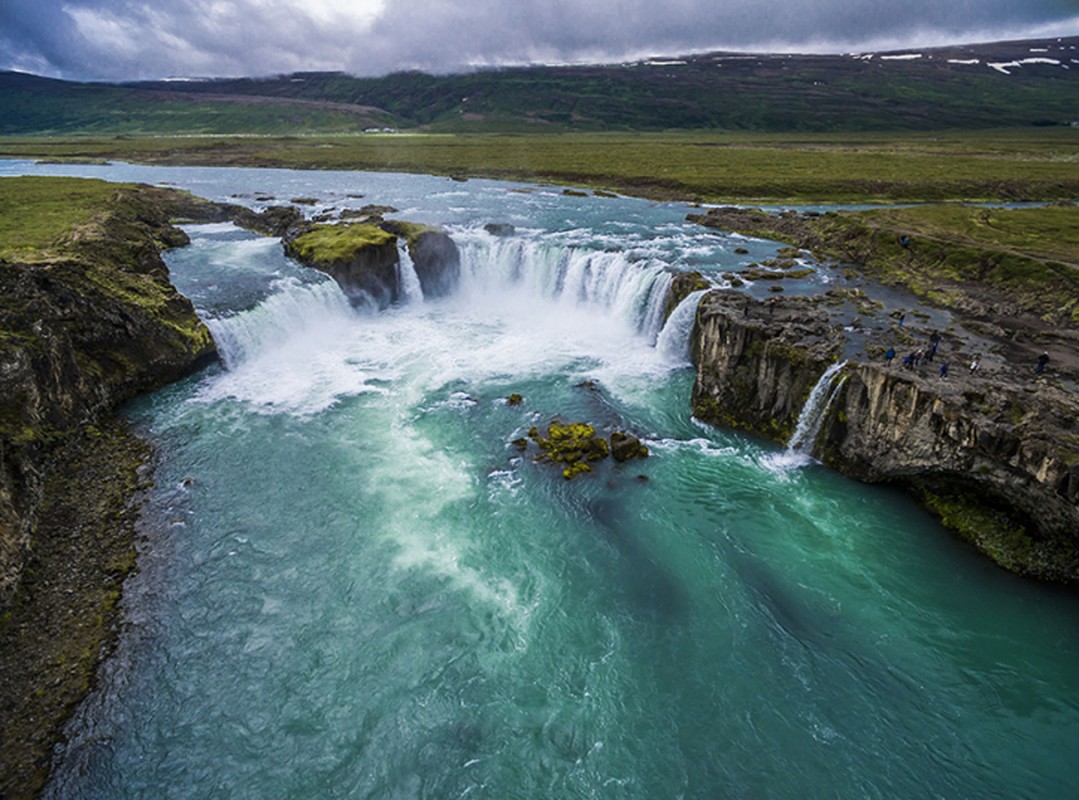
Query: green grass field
x,y
36,213
1032,164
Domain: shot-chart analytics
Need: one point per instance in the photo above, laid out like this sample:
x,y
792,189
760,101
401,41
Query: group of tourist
x,y
916,357
913,359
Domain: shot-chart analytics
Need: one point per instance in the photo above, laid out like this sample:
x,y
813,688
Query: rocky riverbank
x,y
1009,275
994,453
88,319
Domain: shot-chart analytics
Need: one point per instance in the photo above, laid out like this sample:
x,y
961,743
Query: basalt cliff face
x,y
756,365
86,322
85,327
997,459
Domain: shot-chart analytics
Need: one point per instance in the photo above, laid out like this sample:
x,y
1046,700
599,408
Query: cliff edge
x,y
995,456
88,319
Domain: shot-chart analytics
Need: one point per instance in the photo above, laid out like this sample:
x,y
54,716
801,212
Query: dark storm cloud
x,y
118,39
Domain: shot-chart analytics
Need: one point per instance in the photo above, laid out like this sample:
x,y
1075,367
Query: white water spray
x,y
570,276
294,308
673,340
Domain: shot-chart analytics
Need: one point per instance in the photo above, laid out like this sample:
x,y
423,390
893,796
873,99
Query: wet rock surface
x,y
576,446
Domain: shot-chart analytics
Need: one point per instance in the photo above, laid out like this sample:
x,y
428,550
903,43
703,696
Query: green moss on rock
x,y
333,244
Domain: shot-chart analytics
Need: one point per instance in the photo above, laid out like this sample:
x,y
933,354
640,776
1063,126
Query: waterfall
x,y
815,410
633,290
294,307
673,340
407,279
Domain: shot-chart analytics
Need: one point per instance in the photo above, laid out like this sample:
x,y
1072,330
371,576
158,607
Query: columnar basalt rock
x,y
992,447
757,362
997,459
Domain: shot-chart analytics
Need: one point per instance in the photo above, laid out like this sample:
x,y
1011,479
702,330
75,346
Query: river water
x,y
353,585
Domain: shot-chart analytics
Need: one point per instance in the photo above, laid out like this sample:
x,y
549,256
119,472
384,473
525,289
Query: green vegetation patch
x,y
330,244
949,254
36,212
714,166
1031,256
999,533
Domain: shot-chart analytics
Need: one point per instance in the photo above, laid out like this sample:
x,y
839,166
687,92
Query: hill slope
x,y
969,86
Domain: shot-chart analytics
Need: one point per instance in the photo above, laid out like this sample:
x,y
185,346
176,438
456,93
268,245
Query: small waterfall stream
x,y
799,450
673,340
411,290
815,409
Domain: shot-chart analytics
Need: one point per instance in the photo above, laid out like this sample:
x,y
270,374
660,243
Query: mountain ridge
x,y
996,84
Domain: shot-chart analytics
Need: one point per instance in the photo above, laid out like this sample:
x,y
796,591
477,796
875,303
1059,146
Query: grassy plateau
x,y
1023,164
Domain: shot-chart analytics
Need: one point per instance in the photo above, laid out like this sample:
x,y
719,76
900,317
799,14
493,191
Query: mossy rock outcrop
x,y
361,257
434,255
364,260
576,447
683,284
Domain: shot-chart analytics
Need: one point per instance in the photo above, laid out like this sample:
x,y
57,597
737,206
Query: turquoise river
x,y
352,585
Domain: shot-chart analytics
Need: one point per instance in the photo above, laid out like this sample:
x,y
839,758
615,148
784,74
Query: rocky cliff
x,y
997,458
88,319
364,258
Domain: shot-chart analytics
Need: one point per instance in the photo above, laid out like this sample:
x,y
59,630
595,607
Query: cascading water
x,y
815,409
673,341
292,308
571,276
799,452
411,291
353,584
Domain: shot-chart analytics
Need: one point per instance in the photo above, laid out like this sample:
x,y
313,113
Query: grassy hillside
x,y
727,91
40,106
976,86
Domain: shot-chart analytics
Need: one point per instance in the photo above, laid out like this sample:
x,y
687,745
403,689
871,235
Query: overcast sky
x,y
129,39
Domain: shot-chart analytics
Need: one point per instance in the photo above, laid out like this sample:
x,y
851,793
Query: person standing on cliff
x,y
889,356
944,371
976,364
1043,359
